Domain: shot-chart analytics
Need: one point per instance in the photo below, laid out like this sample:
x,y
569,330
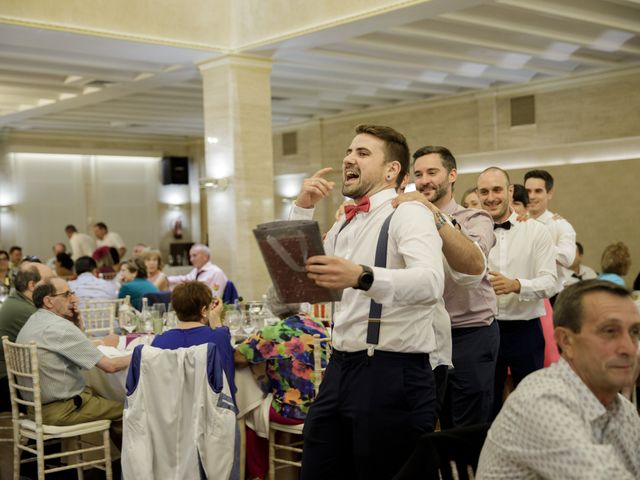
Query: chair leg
x,y
107,455
16,452
40,459
272,454
73,444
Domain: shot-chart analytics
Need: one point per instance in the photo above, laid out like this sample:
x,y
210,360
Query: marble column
x,y
238,148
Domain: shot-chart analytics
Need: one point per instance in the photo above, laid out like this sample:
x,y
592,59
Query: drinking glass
x,y
233,319
128,322
248,325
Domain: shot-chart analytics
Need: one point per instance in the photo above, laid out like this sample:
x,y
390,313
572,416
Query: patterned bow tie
x,y
362,206
506,225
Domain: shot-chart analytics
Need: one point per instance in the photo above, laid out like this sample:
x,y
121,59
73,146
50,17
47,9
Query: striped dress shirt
x,y
63,351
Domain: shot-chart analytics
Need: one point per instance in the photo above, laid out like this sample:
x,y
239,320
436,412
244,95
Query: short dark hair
x,y
520,194
24,276
4,253
65,260
616,258
189,298
448,160
542,175
396,148
137,266
45,289
70,228
14,248
115,255
580,248
569,306
101,225
85,264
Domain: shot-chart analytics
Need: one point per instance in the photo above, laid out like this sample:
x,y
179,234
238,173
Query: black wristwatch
x,y
366,279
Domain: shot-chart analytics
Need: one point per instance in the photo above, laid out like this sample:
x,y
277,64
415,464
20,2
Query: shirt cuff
x,y
299,213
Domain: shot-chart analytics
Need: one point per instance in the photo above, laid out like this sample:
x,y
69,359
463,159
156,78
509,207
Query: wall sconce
x,y
215,184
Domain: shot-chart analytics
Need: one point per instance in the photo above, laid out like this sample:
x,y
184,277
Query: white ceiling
x,y
62,82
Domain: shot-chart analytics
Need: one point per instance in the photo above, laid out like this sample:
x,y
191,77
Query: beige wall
x,y
85,207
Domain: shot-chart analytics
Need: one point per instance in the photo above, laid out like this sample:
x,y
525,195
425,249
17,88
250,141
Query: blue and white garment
x,y
179,419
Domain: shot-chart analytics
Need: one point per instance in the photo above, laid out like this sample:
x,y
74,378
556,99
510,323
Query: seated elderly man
x,y
568,420
63,351
204,271
15,312
88,286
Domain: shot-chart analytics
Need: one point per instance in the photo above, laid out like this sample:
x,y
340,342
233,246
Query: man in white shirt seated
x,y
204,271
63,352
88,286
568,420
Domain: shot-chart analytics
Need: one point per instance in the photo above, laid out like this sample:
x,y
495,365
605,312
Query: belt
x,y
361,354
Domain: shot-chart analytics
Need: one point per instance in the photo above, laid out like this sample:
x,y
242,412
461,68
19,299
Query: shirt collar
x,y
513,218
381,197
23,297
451,207
545,217
593,408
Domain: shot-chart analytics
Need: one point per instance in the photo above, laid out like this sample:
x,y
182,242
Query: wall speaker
x,y
175,170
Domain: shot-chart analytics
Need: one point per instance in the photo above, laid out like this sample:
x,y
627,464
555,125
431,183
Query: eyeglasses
x,y
66,294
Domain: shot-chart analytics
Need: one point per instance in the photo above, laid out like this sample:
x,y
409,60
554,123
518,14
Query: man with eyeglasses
x,y
63,352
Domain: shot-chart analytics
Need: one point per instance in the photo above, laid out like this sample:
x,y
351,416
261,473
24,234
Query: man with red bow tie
x,y
378,393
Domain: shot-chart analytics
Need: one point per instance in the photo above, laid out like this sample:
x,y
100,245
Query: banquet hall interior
x,y
180,123
258,95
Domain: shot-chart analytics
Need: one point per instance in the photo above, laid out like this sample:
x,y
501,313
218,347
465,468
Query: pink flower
x,y
301,370
266,349
295,346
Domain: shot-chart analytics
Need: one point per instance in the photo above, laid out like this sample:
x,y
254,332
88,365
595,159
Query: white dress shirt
x,y
553,426
111,239
526,253
408,289
564,238
210,274
586,273
82,245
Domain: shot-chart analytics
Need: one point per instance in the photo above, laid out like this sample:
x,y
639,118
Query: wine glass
x,y
248,325
233,319
128,323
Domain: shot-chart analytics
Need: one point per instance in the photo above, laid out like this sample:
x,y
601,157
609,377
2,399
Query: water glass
x,y
233,320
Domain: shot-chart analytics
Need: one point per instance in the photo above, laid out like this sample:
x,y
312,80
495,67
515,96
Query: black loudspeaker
x,y
175,170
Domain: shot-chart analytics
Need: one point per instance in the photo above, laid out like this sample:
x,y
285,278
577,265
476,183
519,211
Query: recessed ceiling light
x,y
611,40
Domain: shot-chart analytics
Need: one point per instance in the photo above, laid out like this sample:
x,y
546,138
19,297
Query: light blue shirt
x,y
88,287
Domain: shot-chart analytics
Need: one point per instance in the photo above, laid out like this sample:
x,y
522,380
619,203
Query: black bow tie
x,y
506,225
